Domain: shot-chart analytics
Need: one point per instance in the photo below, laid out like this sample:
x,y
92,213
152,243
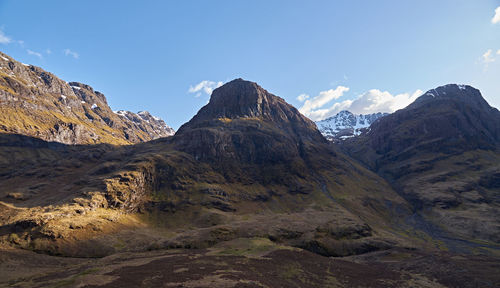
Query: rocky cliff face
x,y
442,154
246,123
346,125
36,103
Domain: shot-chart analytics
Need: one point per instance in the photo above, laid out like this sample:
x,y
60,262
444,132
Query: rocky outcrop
x,y
36,103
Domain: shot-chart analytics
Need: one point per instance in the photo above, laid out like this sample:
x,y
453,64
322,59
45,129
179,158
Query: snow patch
x,y
462,87
346,137
94,106
76,87
6,59
83,102
26,64
121,113
63,97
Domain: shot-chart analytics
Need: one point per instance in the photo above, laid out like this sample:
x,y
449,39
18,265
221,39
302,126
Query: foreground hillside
x,y
36,103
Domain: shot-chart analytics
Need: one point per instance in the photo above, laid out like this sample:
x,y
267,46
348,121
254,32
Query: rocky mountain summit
x,y
346,125
274,130
36,103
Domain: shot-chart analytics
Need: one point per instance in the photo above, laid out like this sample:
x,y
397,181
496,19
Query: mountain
x,y
237,169
154,126
442,154
346,125
36,103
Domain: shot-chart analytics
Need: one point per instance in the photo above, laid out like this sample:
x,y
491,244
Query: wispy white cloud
x,y
37,54
4,39
487,58
369,102
204,86
496,18
303,97
313,108
73,54
498,52
48,51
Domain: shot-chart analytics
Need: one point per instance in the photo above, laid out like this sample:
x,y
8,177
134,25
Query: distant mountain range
x,y
346,125
37,103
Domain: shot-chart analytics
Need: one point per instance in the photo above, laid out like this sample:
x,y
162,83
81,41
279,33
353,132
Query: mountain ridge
x,y
73,113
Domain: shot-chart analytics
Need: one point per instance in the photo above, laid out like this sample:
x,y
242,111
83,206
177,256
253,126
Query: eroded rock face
x,y
246,123
36,103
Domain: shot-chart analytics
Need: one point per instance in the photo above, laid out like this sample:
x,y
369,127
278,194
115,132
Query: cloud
x,y
313,106
487,58
302,97
369,102
498,52
4,39
496,18
48,51
73,54
375,101
204,86
31,52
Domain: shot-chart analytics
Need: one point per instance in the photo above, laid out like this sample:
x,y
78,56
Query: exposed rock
x,y
36,103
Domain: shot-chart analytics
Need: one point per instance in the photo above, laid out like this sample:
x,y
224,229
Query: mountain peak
x,y
453,92
242,121
242,99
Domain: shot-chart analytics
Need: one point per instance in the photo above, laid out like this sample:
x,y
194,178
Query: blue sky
x,y
363,55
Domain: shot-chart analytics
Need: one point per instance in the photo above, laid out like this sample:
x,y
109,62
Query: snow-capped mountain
x,y
147,122
346,124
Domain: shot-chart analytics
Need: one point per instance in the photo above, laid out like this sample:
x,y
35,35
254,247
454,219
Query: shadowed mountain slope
x,y
442,154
